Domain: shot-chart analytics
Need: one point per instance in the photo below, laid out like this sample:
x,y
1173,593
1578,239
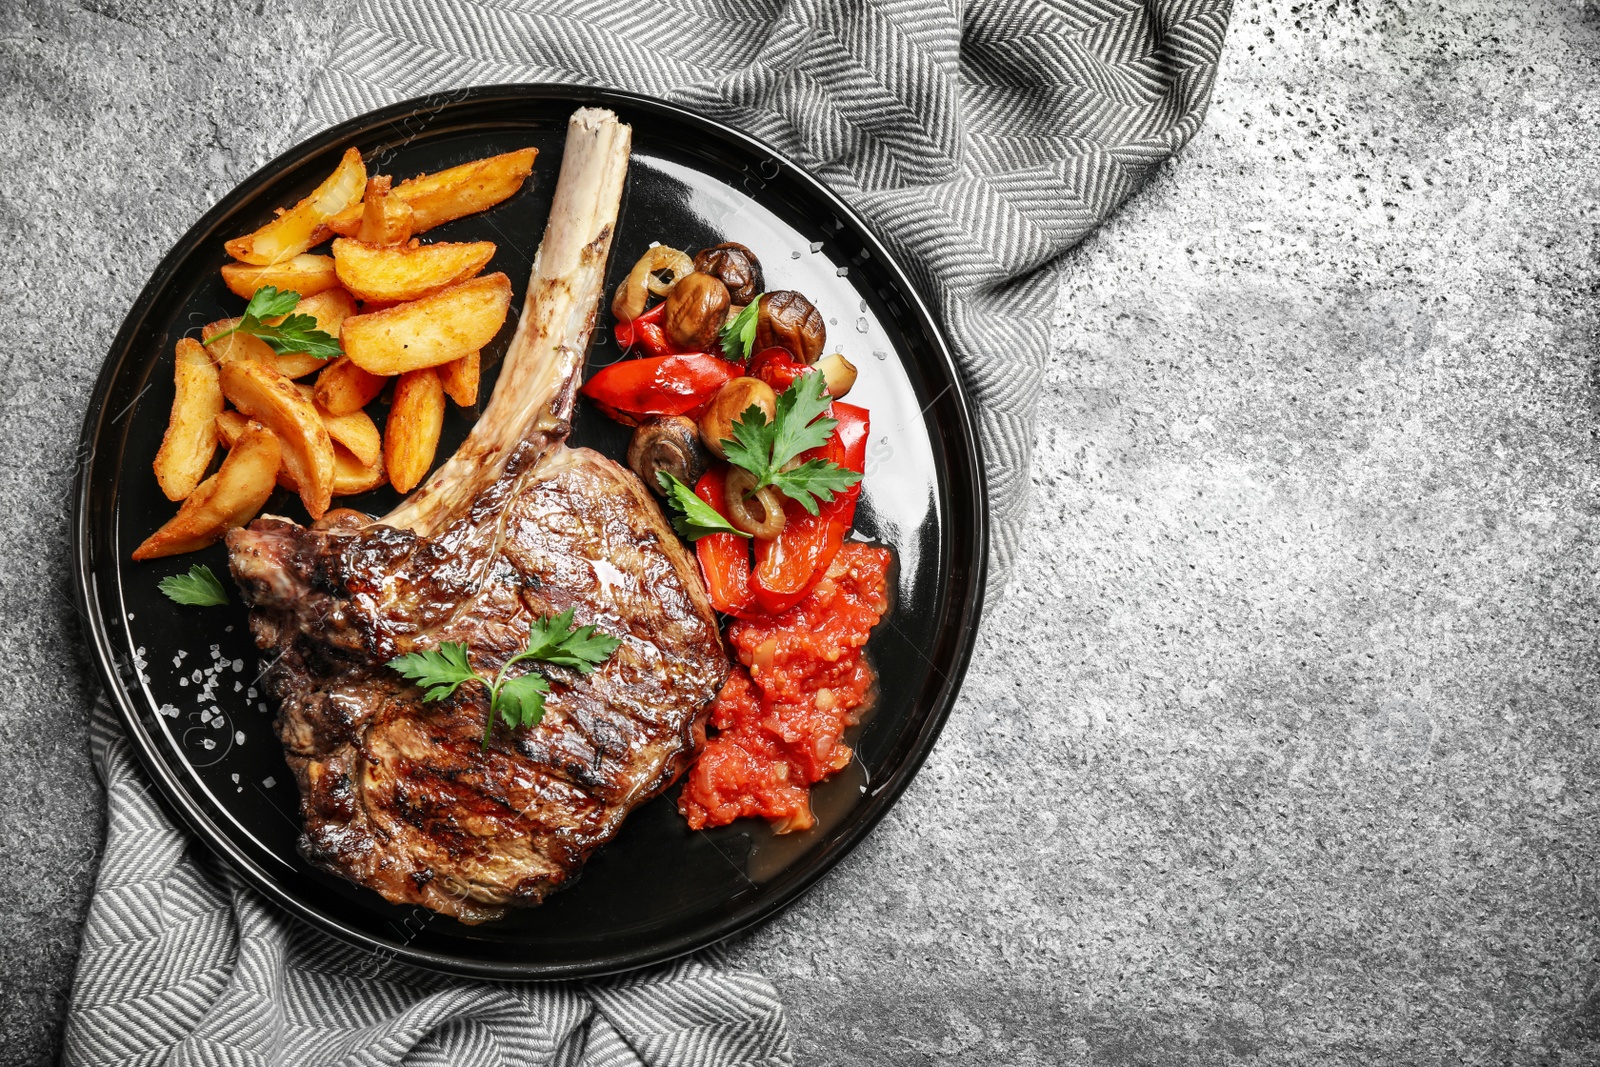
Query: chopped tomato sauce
x,y
780,717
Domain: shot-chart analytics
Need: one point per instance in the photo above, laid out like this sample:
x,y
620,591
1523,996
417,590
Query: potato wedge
x,y
247,346
305,274
235,345
402,273
298,229
355,431
270,398
231,426
191,437
412,433
330,308
385,219
229,498
449,194
425,333
343,387
460,379
351,476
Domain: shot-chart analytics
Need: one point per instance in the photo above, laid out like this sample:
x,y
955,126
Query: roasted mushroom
x,y
789,321
729,406
696,309
668,443
839,373
735,266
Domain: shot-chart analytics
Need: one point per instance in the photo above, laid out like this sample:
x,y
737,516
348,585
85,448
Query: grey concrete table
x,y
1283,748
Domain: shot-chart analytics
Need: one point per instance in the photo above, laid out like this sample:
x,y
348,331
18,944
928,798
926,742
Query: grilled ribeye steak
x,y
398,794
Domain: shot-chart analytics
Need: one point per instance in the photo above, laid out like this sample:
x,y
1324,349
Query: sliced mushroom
x,y
735,266
696,308
789,321
668,443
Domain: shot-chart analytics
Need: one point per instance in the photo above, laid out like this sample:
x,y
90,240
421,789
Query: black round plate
x,y
185,678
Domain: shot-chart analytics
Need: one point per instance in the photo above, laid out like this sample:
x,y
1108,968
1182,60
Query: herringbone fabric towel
x,y
981,141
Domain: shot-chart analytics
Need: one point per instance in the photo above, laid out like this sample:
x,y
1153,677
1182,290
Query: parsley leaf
x,y
693,518
438,672
518,701
813,480
764,448
521,700
557,641
739,332
292,333
199,588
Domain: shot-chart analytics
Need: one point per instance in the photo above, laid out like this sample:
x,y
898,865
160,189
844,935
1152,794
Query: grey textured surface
x,y
1281,749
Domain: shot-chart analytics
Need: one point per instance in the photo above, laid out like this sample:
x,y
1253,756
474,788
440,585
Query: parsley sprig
x,y
739,332
198,588
516,701
765,448
694,518
294,333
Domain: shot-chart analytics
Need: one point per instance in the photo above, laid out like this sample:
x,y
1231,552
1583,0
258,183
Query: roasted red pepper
x,y
724,558
658,385
790,564
777,368
646,332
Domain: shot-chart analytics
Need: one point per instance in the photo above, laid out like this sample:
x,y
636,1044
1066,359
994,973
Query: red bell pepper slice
x,y
658,385
646,332
790,564
777,368
724,558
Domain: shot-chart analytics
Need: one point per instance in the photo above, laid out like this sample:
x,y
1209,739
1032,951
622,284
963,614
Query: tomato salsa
x,y
801,682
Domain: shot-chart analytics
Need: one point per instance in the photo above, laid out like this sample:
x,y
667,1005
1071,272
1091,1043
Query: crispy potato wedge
x,y
460,379
246,346
385,219
191,437
411,435
351,476
330,308
355,431
231,426
396,274
425,333
344,388
449,194
270,398
305,274
299,228
235,345
229,498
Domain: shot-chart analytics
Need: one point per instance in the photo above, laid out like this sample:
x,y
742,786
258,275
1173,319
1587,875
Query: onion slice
x,y
657,271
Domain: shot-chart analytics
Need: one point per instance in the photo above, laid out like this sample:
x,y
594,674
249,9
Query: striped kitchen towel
x,y
982,140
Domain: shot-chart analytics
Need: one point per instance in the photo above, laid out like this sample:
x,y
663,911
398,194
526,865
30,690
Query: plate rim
x,y
201,826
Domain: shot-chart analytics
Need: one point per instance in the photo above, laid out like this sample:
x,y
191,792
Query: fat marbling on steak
x,y
397,793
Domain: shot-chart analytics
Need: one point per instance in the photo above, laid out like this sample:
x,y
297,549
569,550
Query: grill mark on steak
x,y
399,794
